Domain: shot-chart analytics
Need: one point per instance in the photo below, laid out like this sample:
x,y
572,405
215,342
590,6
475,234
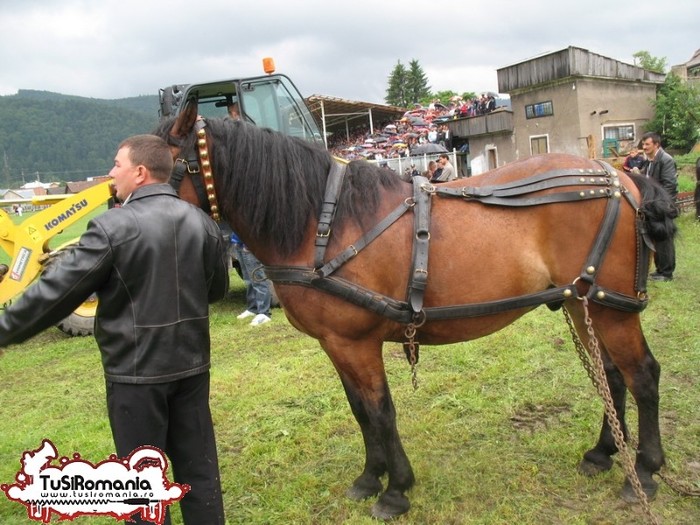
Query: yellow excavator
x,y
27,245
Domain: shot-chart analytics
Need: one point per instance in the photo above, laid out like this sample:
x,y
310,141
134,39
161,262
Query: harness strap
x,y
401,312
644,247
199,164
178,174
617,300
328,209
534,185
605,233
419,265
352,250
406,311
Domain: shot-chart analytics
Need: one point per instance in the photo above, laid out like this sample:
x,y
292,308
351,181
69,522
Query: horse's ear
x,y
186,119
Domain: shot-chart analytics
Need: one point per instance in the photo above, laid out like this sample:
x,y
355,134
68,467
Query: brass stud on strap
x,y
207,174
590,270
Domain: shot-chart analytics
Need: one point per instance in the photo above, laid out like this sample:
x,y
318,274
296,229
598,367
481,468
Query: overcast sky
x,y
122,48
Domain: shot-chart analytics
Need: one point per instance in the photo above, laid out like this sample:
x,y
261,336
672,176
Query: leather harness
x,y
599,183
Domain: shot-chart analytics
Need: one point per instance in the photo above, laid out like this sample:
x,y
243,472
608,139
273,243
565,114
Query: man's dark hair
x,y
151,152
655,137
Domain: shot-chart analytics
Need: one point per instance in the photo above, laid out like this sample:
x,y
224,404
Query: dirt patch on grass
x,y
531,417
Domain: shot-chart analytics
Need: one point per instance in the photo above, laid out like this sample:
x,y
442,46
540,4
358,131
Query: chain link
x,y
412,354
593,363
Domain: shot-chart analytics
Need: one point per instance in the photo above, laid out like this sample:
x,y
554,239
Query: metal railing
x,y
400,164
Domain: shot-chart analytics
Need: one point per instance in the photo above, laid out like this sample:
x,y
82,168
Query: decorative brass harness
x,y
200,163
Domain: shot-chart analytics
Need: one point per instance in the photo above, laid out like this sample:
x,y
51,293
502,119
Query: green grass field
x,y
494,432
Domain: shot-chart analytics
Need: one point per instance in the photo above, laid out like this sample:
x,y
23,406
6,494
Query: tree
x,y
396,93
677,117
416,83
407,86
644,60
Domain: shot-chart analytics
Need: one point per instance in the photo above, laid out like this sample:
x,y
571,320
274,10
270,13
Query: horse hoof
x,y
649,487
593,464
591,469
389,505
364,488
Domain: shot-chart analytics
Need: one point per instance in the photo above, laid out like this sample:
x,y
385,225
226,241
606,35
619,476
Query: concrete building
x,y
690,71
570,101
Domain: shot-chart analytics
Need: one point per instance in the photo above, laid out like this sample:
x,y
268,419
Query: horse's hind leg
x,y
599,459
361,371
644,385
628,363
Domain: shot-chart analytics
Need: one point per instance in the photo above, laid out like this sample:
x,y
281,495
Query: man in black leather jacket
x,y
156,263
662,168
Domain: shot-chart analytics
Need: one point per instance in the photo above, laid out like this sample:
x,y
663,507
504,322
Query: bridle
x,y
197,164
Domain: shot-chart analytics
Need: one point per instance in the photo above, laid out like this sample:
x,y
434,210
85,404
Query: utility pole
x,y
6,169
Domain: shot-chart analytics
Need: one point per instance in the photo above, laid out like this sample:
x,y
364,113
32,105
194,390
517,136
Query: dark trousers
x,y
697,199
175,418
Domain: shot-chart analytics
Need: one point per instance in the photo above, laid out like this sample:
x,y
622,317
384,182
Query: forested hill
x,y
57,137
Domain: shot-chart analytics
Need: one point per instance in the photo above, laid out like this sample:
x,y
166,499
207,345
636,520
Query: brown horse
x,y
349,256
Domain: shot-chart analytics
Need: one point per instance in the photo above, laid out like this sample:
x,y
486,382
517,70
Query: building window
x,y
539,145
619,132
541,109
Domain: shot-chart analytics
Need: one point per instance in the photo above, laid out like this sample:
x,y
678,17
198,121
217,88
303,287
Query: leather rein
x,y
599,183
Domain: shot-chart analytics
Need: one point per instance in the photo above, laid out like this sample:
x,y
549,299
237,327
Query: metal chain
x,y
410,334
593,363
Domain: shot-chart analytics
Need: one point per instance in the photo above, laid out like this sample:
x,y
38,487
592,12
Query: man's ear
x,y
143,176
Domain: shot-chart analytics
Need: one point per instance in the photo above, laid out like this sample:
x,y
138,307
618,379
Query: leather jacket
x,y
156,263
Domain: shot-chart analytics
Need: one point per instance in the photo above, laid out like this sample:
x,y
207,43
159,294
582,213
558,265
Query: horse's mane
x,y
274,184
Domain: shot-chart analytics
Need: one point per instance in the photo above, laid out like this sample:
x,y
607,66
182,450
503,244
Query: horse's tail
x,y
657,208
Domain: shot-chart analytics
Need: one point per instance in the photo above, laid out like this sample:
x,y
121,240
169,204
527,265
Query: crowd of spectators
x,y
420,125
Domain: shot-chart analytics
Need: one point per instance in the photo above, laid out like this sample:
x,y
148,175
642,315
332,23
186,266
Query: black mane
x,y
274,184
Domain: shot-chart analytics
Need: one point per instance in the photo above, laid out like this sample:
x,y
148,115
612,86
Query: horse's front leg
x,y
361,371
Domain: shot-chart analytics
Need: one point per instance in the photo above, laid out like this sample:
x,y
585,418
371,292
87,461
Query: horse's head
x,y
192,174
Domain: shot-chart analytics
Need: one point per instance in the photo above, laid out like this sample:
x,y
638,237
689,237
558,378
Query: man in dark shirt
x,y
661,168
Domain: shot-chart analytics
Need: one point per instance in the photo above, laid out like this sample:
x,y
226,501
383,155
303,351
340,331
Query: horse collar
x,y
204,162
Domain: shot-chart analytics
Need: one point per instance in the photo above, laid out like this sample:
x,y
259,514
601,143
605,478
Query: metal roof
x,y
341,114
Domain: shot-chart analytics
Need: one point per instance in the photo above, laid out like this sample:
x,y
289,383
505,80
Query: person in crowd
x,y
635,162
430,172
155,263
448,172
697,189
662,168
233,111
257,288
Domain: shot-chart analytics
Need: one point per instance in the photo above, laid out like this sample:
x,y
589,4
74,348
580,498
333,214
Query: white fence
x,y
400,164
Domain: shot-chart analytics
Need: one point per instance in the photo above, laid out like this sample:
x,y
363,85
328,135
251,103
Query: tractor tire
x,y
82,321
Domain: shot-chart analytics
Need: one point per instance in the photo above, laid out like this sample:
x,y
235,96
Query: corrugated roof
x,y
339,111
